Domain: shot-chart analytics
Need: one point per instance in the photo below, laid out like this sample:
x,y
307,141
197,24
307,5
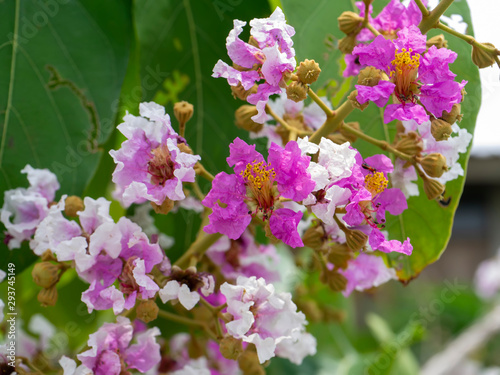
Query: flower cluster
x,y
419,82
269,56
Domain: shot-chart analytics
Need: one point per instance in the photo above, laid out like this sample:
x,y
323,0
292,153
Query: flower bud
x,y
349,22
313,238
230,347
439,41
296,91
308,71
440,129
454,115
311,309
354,101
347,44
45,274
243,116
432,188
72,205
48,297
370,76
339,255
164,208
410,144
183,111
249,363
147,311
434,164
240,93
355,239
484,57
333,279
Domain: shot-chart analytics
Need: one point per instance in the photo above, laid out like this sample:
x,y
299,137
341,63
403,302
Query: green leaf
x,y
62,64
427,223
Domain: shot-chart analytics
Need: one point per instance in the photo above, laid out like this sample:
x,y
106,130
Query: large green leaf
x,y
427,223
62,64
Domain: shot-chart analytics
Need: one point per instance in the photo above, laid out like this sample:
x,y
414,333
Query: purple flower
x,y
24,209
273,57
418,82
111,351
254,189
150,165
365,272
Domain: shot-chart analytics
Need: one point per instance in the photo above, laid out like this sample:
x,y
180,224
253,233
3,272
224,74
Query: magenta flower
x,y
418,82
392,18
273,57
149,165
111,351
371,199
255,189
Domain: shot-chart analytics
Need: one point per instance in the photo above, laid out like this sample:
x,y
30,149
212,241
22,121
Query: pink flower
x,y
273,57
111,351
150,165
365,272
265,318
418,81
24,209
254,189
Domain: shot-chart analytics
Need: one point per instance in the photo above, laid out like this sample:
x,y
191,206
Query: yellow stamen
x,y
376,183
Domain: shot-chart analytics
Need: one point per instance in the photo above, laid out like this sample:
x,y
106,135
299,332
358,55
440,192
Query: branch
x,y
431,20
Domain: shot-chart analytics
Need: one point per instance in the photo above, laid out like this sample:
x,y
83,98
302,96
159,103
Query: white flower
x,y
174,290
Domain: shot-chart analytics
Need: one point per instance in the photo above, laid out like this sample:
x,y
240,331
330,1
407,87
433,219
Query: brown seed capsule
x,y
347,43
354,101
147,311
72,205
454,115
183,111
47,297
339,255
311,309
230,348
164,208
484,58
432,188
410,144
370,76
440,129
333,279
314,238
243,118
434,164
355,239
296,91
240,93
308,71
439,41
349,22
45,274
249,363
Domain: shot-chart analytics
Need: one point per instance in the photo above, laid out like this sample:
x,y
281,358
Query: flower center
x,y
161,166
259,178
375,183
404,75
127,280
